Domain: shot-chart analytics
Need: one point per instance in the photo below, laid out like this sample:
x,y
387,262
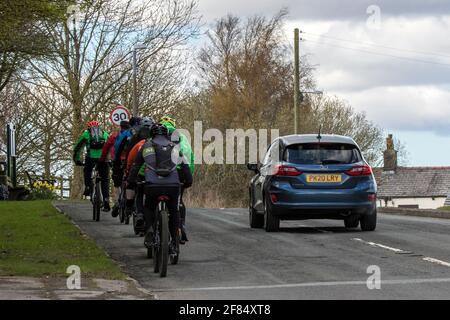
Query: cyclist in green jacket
x,y
93,139
186,149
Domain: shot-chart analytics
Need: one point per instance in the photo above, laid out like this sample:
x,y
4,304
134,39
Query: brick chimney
x,y
390,155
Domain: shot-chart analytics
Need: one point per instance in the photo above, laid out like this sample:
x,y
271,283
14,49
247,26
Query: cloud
x,y
400,95
409,94
363,58
408,108
383,72
323,9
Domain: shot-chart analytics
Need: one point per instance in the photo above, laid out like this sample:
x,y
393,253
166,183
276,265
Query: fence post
x,y
61,185
70,188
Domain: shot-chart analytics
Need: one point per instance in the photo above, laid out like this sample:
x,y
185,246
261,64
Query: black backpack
x,y
97,138
163,156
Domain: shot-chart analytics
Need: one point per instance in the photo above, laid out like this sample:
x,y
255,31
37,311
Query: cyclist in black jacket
x,y
141,132
162,178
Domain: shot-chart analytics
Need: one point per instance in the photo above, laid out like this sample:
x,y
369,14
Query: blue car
x,y
313,177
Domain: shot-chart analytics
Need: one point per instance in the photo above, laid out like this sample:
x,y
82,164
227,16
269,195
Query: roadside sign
x,y
11,153
11,133
119,114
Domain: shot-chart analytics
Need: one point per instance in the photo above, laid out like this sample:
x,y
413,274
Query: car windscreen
x,y
322,153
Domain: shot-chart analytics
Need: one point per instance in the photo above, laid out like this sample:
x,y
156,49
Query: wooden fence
x,y
63,184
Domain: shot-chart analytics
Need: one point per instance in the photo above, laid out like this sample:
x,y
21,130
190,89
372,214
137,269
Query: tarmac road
x,y
313,259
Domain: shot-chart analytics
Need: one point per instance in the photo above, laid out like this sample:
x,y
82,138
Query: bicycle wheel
x,y
122,203
164,248
97,202
122,211
174,257
92,199
150,253
156,242
134,225
127,218
94,210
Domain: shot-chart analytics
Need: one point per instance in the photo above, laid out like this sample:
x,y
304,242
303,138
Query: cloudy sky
x,y
390,59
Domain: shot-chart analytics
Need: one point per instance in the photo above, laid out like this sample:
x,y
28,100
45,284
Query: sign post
x,y
118,115
11,153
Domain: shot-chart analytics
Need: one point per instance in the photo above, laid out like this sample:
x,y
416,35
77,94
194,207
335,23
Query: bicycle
x,y
123,217
137,231
96,195
161,240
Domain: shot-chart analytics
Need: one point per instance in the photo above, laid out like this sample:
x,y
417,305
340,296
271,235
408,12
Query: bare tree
x,y
21,34
161,83
247,69
93,60
9,97
334,116
42,121
246,81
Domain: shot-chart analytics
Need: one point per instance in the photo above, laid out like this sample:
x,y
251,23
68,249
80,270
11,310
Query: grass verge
x,y
36,240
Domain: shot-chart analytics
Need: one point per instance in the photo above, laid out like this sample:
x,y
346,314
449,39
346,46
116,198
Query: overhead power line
x,y
428,53
378,53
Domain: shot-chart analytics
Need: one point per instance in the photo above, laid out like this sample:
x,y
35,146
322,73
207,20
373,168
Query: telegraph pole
x,y
135,102
135,71
296,79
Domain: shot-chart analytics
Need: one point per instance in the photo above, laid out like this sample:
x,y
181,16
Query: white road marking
x,y
440,262
309,284
428,259
373,244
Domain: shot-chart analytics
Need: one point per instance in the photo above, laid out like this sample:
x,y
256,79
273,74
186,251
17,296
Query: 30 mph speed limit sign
x,y
119,114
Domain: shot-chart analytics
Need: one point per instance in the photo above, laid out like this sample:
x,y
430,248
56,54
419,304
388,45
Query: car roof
x,y
312,138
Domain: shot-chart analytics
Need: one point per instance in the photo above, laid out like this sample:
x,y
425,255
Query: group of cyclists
x,y
149,160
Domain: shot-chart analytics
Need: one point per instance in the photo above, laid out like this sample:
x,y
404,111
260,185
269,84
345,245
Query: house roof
x,y
415,182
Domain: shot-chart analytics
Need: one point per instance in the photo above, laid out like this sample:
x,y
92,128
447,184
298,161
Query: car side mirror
x,y
253,167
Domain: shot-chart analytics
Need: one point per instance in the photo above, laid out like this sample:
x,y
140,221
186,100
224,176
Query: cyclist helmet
x,y
169,120
159,129
135,121
124,125
147,122
93,124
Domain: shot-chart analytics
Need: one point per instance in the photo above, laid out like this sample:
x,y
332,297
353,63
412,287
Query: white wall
x,y
424,203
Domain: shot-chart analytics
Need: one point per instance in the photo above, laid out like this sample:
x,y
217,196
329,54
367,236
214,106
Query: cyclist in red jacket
x,y
117,175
